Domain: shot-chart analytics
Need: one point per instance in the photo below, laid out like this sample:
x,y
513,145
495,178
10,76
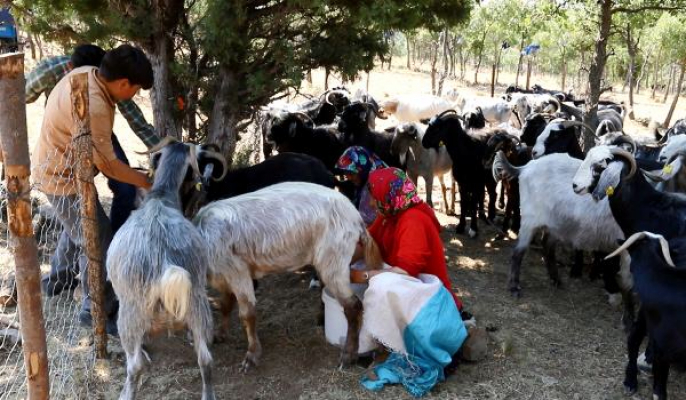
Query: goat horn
x,y
680,153
447,112
642,235
220,158
165,141
567,124
194,160
616,151
300,113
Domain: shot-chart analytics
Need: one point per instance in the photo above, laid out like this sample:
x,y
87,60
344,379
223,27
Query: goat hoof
x,y
347,360
557,283
630,387
516,292
472,233
220,337
248,363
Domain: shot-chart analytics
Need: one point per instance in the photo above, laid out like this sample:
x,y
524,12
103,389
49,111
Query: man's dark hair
x,y
87,54
127,62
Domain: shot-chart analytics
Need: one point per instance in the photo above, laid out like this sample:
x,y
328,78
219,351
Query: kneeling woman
x,y
411,307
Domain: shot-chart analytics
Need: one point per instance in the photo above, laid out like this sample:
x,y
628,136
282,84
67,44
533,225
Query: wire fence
x,y
70,352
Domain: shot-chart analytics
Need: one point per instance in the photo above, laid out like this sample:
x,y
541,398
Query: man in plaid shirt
x,y
42,80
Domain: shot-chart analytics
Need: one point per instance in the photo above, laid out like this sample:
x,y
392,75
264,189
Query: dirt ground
x,y
552,343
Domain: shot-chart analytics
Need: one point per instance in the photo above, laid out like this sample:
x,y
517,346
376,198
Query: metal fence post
x,y
13,134
83,145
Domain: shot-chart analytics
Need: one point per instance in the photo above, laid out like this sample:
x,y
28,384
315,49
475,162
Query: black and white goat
x,y
317,226
427,163
548,204
158,264
659,279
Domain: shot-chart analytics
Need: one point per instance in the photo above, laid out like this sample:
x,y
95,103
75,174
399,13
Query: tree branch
x,y
630,10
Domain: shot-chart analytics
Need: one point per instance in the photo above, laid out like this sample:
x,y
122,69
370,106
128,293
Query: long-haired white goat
x,y
282,228
157,263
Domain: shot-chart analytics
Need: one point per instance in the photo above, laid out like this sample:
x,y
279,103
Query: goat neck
x,y
170,175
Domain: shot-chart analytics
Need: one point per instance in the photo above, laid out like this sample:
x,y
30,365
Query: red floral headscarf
x,y
393,190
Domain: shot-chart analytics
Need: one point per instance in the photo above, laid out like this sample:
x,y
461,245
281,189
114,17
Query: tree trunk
x,y
655,71
32,45
446,65
162,96
462,61
632,48
519,63
434,59
528,72
224,119
327,72
676,94
564,69
478,65
308,76
390,59
643,74
14,139
595,73
83,146
409,56
669,83
39,42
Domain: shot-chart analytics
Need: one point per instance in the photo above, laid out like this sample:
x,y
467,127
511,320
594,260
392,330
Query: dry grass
x,y
551,344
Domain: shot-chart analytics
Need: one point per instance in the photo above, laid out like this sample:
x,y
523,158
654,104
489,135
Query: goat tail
x,y
372,254
502,169
175,291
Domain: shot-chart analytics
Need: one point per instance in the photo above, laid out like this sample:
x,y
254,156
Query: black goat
x,y
295,133
284,167
518,155
562,96
354,126
659,280
467,153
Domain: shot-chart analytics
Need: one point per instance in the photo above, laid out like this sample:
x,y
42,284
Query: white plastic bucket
x,y
335,324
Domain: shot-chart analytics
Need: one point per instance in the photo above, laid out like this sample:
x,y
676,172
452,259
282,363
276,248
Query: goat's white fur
x,y
496,111
173,290
415,107
423,162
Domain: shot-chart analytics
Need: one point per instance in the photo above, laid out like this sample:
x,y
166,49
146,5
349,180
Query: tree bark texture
x,y
446,62
224,119
519,63
14,139
85,171
669,83
656,69
676,95
595,73
162,96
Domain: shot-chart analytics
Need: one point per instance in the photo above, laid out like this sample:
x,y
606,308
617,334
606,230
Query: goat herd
x,y
282,214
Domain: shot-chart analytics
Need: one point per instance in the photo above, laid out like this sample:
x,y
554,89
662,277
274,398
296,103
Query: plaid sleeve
x,y
134,116
45,76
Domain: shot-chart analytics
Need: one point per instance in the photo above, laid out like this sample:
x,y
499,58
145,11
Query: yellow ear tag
x,y
441,144
667,169
198,186
610,191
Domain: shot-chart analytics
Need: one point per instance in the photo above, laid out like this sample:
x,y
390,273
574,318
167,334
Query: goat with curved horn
x,y
618,152
642,235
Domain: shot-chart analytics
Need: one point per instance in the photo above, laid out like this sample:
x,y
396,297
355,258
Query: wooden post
x,y
13,134
85,172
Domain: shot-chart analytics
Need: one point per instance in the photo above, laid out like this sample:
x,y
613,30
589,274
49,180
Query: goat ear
x,y
609,180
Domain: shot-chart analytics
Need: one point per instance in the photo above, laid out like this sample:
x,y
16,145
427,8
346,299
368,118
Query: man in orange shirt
x,y
123,72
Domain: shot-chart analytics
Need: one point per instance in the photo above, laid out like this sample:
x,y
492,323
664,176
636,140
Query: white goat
x,y
158,266
495,111
282,228
420,161
548,203
414,107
